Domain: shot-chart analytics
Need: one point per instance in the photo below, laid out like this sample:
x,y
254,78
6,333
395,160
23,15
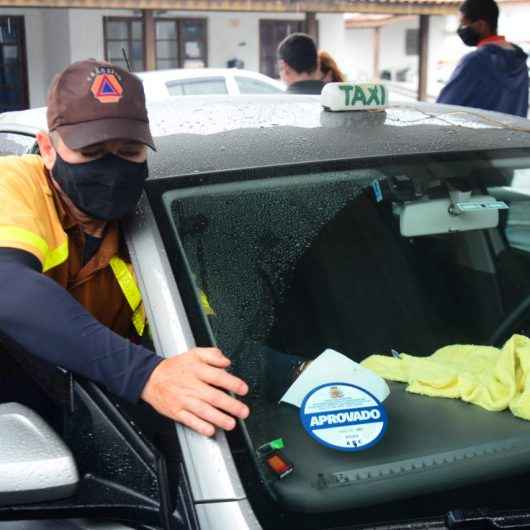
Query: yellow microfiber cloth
x,y
491,378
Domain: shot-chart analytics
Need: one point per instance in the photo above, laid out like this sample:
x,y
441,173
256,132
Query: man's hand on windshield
x,y
189,388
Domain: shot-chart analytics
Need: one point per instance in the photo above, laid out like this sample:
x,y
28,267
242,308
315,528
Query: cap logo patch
x,y
106,88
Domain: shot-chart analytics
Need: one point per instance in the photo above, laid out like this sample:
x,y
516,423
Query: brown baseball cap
x,y
92,101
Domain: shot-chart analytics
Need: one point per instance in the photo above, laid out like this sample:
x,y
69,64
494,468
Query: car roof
x,y
215,133
220,133
188,73
25,121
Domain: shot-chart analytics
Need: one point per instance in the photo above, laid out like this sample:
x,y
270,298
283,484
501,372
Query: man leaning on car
x,y
67,287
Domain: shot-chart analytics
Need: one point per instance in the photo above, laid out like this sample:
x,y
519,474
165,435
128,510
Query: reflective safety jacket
x,y
34,218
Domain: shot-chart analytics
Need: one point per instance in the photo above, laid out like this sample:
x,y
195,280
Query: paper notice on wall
x,y
193,50
333,367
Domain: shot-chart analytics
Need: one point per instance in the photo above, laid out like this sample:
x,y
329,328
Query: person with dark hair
x,y
495,75
298,64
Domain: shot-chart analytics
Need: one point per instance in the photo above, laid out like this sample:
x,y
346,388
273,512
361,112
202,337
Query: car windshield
x,y
363,257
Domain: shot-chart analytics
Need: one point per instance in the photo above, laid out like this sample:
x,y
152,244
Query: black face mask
x,y
469,36
106,189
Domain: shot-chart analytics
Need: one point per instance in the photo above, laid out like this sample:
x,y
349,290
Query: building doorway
x,y
13,66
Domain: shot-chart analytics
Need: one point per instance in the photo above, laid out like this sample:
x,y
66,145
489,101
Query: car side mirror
x,y
35,464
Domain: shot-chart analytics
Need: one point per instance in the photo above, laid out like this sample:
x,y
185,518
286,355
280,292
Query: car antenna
x,y
126,59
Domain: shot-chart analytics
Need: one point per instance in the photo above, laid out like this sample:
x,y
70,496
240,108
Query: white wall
x,y
233,35
513,23
445,49
86,31
357,56
57,42
393,46
333,38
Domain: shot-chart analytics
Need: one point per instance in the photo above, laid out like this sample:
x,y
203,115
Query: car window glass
x,y
175,88
255,86
15,144
253,235
517,218
305,261
197,87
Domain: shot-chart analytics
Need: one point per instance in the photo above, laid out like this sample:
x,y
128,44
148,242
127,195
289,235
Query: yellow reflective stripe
x,y
21,235
56,257
205,303
139,319
130,290
127,282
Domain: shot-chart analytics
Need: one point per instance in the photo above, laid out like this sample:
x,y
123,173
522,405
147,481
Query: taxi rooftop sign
x,y
348,96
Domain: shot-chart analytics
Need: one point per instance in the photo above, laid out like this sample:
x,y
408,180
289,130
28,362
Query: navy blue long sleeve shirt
x,y
49,323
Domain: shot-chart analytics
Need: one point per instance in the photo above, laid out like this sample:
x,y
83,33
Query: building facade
x,y
36,43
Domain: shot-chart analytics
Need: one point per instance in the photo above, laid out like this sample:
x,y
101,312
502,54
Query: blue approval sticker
x,y
343,417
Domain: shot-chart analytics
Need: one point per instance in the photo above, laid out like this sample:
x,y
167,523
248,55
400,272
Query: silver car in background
x,y
160,84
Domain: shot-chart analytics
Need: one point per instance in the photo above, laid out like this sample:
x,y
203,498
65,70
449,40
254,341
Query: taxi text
x,y
363,96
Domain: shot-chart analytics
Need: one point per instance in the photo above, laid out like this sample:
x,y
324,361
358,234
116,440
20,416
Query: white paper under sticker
x,y
332,366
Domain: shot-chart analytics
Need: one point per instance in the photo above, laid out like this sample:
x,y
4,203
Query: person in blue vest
x,y
495,75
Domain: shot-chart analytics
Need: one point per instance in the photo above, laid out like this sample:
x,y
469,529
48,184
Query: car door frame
x,y
231,85
216,487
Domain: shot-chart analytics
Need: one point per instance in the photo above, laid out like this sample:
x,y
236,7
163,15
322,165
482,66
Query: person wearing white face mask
x,y
495,75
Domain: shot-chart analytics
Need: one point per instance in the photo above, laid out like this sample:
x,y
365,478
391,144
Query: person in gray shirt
x,y
298,64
